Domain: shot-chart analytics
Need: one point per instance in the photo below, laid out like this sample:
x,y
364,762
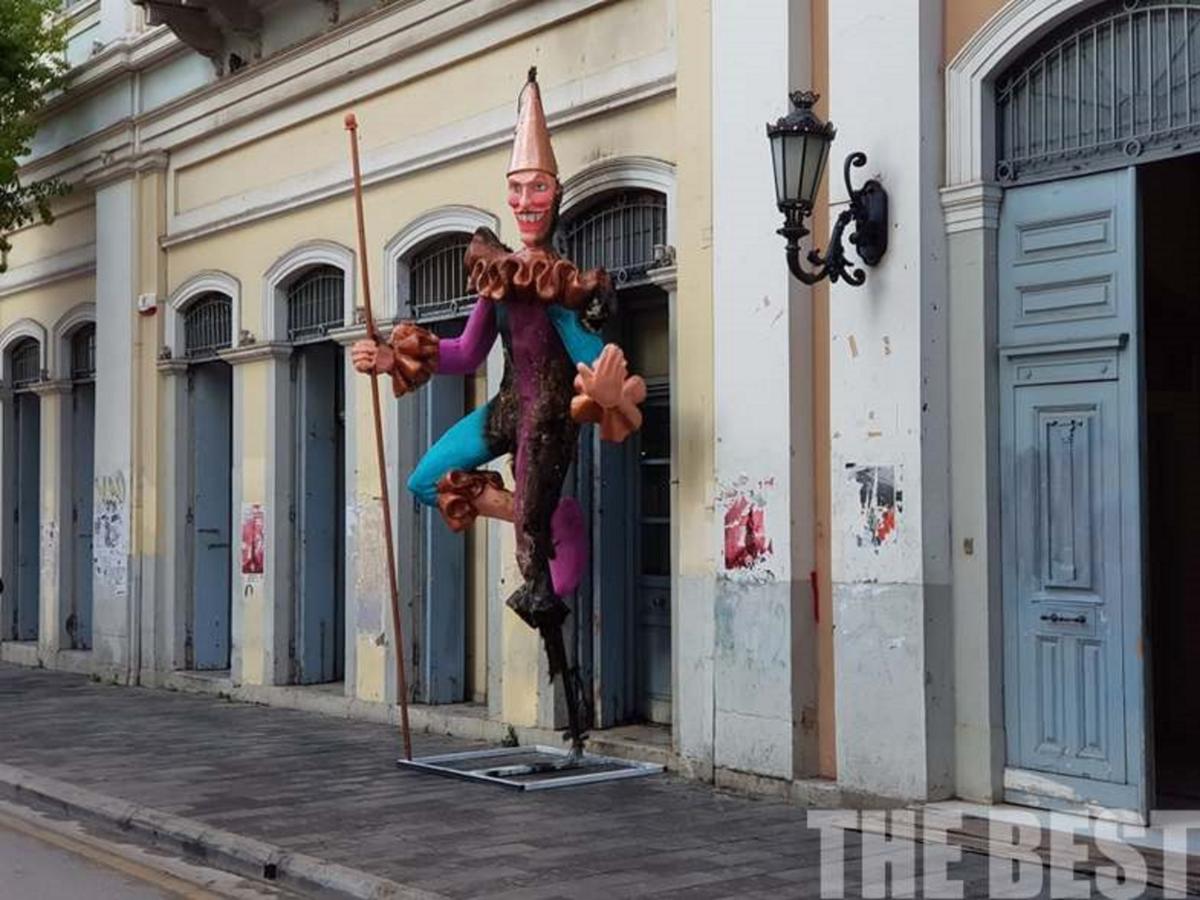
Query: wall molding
x,y
206,282
567,104
453,219
291,264
61,334
970,119
71,263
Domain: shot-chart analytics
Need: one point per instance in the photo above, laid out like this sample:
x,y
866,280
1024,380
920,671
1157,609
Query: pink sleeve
x,y
464,354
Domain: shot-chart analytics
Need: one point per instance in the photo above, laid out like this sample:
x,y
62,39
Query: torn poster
x,y
253,542
879,504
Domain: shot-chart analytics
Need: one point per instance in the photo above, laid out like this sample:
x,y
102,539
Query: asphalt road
x,y
48,859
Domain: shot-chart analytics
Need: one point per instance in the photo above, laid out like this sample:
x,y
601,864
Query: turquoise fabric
x,y
583,346
463,446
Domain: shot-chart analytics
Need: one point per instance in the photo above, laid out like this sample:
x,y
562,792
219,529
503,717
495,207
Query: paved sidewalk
x,y
328,787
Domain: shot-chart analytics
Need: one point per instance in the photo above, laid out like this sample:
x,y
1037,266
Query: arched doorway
x,y
315,305
208,329
1095,140
624,607
23,487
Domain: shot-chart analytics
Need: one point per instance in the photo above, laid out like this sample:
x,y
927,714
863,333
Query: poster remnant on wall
x,y
879,504
253,541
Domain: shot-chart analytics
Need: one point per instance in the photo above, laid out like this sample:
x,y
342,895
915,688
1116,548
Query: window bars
x,y
25,362
1103,91
83,354
438,279
207,326
316,303
618,233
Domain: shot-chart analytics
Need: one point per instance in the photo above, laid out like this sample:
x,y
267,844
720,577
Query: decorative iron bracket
x,y
868,209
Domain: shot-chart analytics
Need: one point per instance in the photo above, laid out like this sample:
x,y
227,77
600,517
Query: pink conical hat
x,y
531,145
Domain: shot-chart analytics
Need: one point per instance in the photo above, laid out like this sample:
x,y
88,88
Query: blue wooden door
x,y
320,614
83,457
27,515
210,388
443,663
1070,492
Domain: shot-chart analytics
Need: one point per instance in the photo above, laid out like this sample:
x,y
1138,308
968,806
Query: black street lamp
x,y
799,148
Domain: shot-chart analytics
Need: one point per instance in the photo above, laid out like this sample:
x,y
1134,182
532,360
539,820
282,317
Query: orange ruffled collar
x,y
498,274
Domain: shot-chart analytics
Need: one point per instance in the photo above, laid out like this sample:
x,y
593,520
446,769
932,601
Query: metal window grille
x,y
438,279
316,302
207,326
26,363
619,233
1120,84
83,353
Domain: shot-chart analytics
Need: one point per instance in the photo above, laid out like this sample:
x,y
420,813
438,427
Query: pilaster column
x,y
764,680
263,438
55,489
889,389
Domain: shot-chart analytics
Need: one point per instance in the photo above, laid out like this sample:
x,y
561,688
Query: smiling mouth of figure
x,y
531,217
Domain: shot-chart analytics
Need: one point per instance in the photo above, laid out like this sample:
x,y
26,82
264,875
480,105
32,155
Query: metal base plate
x,y
535,768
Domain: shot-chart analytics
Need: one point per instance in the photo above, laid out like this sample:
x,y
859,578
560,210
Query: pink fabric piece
x,y
464,354
569,533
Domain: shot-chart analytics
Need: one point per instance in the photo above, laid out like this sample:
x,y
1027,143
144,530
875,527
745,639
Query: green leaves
x,y
32,67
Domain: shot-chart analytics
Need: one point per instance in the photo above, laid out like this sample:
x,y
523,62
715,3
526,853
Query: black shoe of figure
x,y
538,606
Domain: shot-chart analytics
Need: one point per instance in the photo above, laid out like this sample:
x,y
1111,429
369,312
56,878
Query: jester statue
x,y
557,374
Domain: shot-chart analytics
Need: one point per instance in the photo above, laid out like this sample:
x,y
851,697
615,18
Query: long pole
x,y
372,334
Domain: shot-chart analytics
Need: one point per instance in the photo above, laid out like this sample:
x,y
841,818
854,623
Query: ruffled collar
x,y
537,273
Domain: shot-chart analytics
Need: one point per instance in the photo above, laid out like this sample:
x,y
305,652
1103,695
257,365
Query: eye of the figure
x,y
540,186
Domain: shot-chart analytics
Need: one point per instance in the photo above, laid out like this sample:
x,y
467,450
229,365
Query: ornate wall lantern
x,y
799,148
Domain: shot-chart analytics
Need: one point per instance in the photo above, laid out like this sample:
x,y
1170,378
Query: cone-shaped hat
x,y
531,145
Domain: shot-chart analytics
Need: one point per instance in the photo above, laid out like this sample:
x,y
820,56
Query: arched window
x,y
620,233
26,363
207,326
316,303
83,354
438,278
1117,85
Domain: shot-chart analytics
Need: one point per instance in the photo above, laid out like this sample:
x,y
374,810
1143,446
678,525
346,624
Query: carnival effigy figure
x,y
557,374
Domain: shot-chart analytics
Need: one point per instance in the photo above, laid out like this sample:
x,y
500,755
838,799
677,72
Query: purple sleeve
x,y
464,354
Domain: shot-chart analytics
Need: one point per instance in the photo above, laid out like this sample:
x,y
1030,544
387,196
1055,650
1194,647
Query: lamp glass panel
x,y
797,149
810,178
779,158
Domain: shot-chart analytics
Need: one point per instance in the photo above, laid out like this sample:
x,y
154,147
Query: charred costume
x,y
546,313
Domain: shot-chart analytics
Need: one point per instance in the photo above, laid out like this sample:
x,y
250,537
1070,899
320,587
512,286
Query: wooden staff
x,y
373,334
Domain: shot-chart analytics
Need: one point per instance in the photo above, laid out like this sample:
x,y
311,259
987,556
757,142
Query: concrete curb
x,y
195,840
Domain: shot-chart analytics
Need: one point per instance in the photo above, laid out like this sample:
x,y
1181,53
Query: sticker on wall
x,y
879,504
253,542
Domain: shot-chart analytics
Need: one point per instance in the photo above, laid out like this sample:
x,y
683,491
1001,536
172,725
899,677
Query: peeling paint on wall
x,y
879,504
364,526
747,548
49,547
111,534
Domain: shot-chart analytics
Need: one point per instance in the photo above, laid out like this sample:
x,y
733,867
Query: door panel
x,y
83,455
444,659
319,514
1070,486
211,395
27,516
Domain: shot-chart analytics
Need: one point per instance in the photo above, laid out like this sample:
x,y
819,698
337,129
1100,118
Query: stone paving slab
x,y
329,788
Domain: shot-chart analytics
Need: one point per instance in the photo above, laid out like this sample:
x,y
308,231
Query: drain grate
x,y
535,768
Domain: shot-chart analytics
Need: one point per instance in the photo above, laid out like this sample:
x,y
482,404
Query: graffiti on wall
x,y
879,504
747,548
110,541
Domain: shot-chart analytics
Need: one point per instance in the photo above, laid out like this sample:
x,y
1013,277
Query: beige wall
x,y
962,19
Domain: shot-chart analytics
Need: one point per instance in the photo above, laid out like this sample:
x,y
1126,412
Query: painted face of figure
x,y
531,197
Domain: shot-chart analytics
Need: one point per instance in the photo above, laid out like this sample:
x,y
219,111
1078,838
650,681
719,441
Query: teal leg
x,y
463,446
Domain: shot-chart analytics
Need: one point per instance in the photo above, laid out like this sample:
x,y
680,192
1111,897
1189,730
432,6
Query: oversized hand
x,y
609,396
372,358
603,383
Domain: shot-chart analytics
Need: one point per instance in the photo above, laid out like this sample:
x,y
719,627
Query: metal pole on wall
x,y
397,631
